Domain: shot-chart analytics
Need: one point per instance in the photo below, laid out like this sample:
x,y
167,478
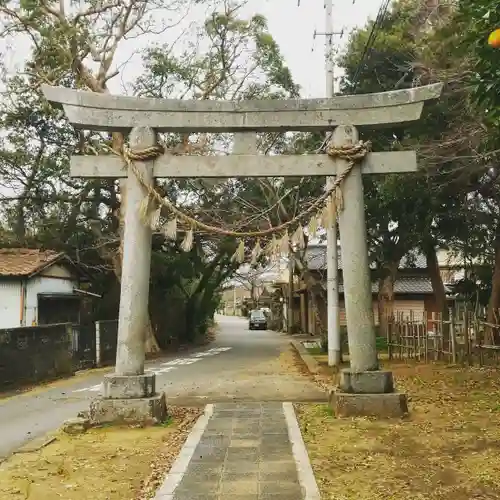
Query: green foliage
x,y
478,19
81,217
241,61
453,201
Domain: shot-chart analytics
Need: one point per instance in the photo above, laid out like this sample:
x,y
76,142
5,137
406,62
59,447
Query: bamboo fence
x,y
463,337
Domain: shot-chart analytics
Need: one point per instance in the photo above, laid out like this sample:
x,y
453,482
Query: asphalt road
x,y
240,365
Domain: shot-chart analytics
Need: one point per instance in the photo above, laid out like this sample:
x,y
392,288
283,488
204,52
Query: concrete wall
x,y
33,354
10,303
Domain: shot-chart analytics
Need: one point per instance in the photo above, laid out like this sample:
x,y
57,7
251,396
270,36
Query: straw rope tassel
x,y
187,242
155,217
170,229
256,252
239,254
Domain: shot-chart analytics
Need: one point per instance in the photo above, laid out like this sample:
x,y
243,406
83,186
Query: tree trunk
x,y
191,320
317,294
20,222
494,302
150,343
385,298
436,278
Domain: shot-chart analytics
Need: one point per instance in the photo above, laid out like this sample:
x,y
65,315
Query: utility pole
x,y
290,293
334,344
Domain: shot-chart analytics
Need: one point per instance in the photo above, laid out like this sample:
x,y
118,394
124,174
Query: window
x,y
257,315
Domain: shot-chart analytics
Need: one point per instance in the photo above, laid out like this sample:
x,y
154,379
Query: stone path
x,y
244,454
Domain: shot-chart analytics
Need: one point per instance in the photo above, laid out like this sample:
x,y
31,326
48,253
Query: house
x,y
249,288
38,287
237,300
233,299
413,293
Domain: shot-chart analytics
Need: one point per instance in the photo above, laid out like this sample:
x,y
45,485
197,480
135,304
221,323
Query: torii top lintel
x,y
89,110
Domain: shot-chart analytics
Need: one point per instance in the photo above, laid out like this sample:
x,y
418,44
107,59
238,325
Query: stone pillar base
x,y
372,382
367,394
129,386
138,411
390,405
129,399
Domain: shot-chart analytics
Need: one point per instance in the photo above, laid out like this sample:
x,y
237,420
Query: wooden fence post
x,y
390,324
98,343
453,337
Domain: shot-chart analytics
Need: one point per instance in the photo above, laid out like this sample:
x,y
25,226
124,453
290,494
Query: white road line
x,y
169,365
93,388
181,361
212,352
164,370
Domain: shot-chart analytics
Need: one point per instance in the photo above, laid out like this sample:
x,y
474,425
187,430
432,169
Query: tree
x,y
222,72
242,60
68,43
447,204
404,212
479,19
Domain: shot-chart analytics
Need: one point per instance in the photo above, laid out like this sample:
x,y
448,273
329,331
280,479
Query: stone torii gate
x,y
129,393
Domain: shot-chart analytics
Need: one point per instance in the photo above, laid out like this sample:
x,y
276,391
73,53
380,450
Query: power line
x,y
382,12
371,40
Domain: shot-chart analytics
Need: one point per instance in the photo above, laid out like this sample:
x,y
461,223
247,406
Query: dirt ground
x,y
108,463
447,449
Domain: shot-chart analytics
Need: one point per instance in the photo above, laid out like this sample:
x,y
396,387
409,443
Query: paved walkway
x,y
241,452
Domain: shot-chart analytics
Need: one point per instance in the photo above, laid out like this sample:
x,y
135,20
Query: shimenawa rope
x,y
352,154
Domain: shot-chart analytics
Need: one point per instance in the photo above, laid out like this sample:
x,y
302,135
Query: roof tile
x,y
315,257
24,261
404,285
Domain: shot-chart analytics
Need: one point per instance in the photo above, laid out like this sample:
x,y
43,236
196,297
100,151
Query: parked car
x,y
257,320
267,311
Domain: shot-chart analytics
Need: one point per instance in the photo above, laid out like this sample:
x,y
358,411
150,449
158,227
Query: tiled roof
x,y
408,285
25,261
316,259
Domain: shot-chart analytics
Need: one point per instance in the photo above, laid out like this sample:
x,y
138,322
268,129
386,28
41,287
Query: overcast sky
x,y
292,26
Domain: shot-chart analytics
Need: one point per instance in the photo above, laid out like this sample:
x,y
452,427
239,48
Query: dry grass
x,y
447,449
109,463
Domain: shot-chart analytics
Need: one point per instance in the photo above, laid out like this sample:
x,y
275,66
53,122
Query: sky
x,y
292,26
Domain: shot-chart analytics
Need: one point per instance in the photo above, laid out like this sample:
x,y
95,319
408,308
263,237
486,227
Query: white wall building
x,y
37,287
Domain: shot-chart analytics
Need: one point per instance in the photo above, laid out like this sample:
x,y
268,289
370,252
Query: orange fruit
x,y
494,39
